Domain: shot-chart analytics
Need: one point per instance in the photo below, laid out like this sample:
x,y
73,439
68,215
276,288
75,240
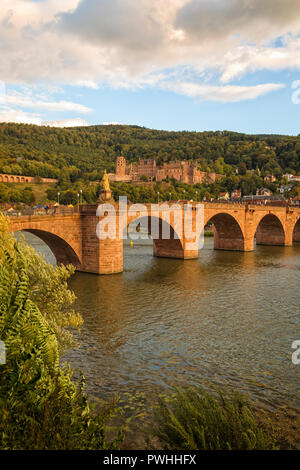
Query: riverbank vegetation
x,y
193,419
41,407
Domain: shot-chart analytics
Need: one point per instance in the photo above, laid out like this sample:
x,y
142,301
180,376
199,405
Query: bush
x,y
40,406
193,419
49,290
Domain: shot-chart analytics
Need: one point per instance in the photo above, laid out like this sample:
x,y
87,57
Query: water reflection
x,y
228,318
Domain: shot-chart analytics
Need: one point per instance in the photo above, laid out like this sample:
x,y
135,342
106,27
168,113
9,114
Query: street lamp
x,y
81,196
170,196
196,196
78,199
157,196
58,194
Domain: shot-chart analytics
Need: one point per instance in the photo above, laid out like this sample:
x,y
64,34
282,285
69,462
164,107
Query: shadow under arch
x,y
270,231
62,251
228,234
296,231
166,242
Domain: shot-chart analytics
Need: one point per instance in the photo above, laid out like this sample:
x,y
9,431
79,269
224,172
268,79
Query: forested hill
x,y
83,152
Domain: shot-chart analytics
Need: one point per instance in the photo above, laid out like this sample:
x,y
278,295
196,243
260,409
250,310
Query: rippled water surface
x,y
228,318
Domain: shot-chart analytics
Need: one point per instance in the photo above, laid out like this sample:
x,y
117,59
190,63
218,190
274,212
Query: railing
x,y
91,208
61,210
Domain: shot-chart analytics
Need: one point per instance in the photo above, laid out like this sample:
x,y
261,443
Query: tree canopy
x,y
84,152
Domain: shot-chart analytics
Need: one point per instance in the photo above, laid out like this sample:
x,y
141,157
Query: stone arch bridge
x,y
72,235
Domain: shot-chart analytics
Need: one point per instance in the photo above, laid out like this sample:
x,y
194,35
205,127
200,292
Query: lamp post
x,y
196,196
81,196
169,196
58,194
78,199
157,196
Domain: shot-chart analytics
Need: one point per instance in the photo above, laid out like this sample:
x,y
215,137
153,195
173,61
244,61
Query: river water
x,y
227,319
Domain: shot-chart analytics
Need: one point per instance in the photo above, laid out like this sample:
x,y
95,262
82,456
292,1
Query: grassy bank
x,y
190,419
39,189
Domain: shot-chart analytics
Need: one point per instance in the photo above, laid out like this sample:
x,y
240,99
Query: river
x,y
226,319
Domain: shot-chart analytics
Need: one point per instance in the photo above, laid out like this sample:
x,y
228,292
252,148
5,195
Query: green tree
x,y
49,290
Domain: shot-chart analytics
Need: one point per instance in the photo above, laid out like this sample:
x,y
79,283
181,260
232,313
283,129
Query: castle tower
x,y
120,166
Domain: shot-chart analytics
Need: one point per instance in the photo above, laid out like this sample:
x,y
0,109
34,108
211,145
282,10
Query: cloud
x,y
247,20
250,58
112,123
19,99
65,123
129,43
15,106
128,24
223,94
19,116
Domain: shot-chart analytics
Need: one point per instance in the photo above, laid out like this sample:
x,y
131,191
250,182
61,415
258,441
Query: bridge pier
x,y
98,256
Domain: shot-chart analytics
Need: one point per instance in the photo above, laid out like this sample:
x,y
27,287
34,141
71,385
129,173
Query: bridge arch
x,y
228,234
270,231
62,250
166,242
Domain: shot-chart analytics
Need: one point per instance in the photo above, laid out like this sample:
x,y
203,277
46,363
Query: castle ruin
x,y
147,170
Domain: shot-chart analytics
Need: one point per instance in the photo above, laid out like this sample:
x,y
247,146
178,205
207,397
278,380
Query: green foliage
x,y
78,156
84,152
48,289
193,419
13,194
40,406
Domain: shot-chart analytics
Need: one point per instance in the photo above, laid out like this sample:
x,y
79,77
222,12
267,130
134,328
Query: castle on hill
x,y
183,171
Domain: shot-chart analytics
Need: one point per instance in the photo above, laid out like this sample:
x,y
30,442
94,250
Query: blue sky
x,y
165,64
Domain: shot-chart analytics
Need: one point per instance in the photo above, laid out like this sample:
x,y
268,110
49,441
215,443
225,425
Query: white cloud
x,y
130,43
250,58
19,116
27,101
14,107
111,123
65,123
223,94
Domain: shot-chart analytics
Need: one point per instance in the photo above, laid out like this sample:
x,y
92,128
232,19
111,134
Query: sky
x,y
163,64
